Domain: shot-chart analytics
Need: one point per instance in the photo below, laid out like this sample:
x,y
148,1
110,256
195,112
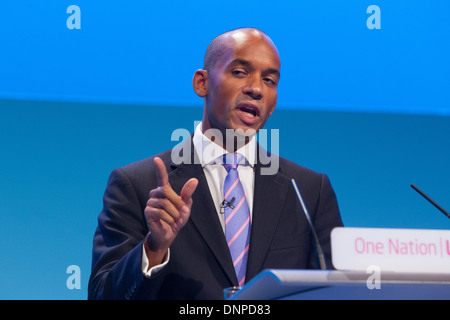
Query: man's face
x,y
242,85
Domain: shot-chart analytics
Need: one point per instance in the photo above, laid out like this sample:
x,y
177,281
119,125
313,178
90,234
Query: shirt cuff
x,y
153,270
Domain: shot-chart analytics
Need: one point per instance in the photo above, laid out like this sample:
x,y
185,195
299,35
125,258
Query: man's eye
x,y
270,81
238,72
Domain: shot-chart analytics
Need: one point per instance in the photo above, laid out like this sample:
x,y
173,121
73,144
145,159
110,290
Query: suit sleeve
x,y
118,242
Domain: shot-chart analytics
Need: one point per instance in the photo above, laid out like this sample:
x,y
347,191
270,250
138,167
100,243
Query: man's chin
x,y
238,137
242,131
246,129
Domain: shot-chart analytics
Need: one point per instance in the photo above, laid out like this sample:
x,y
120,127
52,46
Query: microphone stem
x,y
431,200
320,255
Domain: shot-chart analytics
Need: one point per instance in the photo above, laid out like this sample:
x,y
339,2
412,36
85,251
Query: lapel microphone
x,y
227,204
320,258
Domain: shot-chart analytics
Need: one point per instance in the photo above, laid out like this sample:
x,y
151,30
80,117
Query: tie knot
x,y
232,160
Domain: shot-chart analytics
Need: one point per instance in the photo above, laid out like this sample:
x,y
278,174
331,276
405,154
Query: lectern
x,y
409,264
343,285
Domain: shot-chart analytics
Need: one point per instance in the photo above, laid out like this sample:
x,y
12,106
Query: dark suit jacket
x,y
200,264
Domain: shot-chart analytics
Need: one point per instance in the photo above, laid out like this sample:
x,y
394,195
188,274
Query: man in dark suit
x,y
162,233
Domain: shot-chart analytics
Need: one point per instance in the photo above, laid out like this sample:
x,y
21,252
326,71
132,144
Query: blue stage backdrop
x,y
86,85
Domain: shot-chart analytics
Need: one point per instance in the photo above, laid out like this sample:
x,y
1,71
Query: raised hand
x,y
166,213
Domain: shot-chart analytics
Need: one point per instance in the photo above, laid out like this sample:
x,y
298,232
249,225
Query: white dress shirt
x,y
210,156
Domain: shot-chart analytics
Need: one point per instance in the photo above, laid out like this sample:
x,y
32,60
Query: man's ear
x,y
200,82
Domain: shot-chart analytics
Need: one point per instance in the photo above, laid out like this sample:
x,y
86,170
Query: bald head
x,y
221,44
238,82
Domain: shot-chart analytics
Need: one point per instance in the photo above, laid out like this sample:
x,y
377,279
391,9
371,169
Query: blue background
x,y
371,108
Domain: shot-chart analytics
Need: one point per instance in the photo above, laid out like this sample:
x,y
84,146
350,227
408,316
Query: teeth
x,y
249,114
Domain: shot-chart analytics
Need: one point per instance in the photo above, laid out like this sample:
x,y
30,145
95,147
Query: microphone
x,y
227,204
430,200
319,252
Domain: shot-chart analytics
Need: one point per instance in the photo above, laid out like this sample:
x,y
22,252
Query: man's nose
x,y
254,88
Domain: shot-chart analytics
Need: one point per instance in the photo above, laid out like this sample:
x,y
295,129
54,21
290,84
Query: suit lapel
x,y
203,213
269,196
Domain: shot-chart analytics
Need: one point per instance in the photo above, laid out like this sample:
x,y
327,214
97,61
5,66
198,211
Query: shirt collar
x,y
208,151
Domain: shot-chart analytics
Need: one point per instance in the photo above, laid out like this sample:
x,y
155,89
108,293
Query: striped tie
x,y
237,216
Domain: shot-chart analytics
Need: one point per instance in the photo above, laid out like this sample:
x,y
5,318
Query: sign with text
x,y
398,250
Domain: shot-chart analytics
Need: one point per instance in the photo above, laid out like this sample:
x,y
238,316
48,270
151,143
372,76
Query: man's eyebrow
x,y
241,62
246,63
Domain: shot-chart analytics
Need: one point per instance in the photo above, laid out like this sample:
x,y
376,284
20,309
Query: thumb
x,y
187,191
186,195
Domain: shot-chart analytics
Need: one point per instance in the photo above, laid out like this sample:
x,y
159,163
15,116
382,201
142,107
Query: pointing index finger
x,y
161,172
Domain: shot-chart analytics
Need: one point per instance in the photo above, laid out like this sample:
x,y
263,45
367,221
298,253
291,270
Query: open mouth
x,y
249,110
